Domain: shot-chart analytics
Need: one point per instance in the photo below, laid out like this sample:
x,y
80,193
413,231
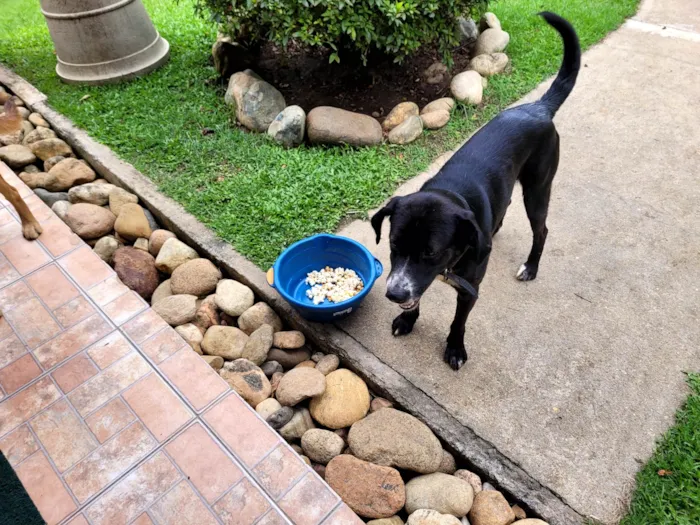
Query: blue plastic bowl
x,y
317,252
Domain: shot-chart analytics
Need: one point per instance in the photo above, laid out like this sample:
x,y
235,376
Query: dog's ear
x,y
469,234
378,217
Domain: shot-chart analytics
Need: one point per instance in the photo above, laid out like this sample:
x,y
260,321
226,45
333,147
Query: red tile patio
x,y
108,417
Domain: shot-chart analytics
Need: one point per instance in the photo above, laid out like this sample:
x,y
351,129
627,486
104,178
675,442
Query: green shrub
x,y
397,28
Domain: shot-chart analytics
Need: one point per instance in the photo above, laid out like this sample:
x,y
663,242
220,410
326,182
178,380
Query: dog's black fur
x,y
449,223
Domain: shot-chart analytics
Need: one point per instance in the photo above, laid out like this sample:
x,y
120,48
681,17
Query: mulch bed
x,y
305,78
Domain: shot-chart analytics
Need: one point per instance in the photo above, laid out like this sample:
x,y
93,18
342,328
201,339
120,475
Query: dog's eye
x,y
429,254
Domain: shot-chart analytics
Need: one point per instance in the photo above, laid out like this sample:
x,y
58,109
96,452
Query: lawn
x,y
255,195
668,487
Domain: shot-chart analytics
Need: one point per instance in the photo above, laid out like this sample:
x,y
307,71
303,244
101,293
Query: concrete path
x,y
574,376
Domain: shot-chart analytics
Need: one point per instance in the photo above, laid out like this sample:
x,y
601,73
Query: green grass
x,y
252,193
668,487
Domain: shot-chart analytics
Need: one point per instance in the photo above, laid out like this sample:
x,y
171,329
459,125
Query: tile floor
x,y
109,418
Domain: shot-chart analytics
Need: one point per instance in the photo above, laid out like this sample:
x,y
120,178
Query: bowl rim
x,y
374,274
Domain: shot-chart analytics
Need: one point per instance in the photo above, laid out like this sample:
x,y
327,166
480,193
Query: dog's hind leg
x,y
31,229
537,188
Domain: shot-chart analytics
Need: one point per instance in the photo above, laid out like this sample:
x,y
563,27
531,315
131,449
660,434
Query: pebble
x,y
17,156
225,341
289,127
37,135
306,364
47,148
132,223
394,438
258,345
322,445
68,173
489,21
317,356
491,508
327,364
280,418
519,512
91,193
300,384
89,221
61,208
431,517
401,112
177,309
196,277
435,73
193,337
157,239
268,407
467,32
445,104
435,119
372,491
247,380
378,403
50,197
214,361
491,41
136,269
50,163
291,340
329,125
207,314
441,492
345,400
172,254
151,220
9,139
488,65
448,464
106,247
408,131
270,367
394,520
258,315
275,380
487,486
233,297
320,470
300,423
38,120
161,292
467,87
473,479
33,178
531,521
118,198
257,103
141,244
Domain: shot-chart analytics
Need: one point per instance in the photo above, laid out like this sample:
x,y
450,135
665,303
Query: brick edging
x,y
483,456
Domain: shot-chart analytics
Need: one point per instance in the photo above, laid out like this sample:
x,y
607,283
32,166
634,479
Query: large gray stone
x,y
328,125
256,102
289,127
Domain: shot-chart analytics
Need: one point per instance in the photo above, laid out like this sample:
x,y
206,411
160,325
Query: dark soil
x,y
306,79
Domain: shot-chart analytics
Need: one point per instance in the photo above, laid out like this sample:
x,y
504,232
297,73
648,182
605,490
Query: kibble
x,y
333,284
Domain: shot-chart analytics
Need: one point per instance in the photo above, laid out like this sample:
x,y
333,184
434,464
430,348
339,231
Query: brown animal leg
x,y
31,229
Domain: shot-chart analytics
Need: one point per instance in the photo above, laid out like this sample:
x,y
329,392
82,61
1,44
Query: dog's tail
x,y
564,83
11,121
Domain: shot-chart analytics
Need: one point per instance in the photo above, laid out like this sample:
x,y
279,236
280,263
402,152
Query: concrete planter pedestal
x,y
103,41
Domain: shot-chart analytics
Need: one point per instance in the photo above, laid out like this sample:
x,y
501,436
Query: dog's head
x,y
429,232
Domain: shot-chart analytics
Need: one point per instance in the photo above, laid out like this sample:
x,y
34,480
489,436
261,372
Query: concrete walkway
x,y
108,417
574,376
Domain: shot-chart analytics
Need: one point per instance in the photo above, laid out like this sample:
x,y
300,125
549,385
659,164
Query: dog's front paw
x,y
455,356
526,273
403,324
31,230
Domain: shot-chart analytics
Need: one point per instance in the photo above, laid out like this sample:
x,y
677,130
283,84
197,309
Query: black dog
x,y
446,228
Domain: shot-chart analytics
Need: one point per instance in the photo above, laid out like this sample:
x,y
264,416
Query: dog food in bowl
x,y
333,284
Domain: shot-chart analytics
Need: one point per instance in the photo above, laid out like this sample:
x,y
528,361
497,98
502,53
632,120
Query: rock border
x,y
479,454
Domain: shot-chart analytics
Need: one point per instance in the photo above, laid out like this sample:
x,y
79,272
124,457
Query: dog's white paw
x,y
525,273
521,271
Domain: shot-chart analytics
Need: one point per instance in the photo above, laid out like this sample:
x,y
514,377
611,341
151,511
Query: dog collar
x,y
461,283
